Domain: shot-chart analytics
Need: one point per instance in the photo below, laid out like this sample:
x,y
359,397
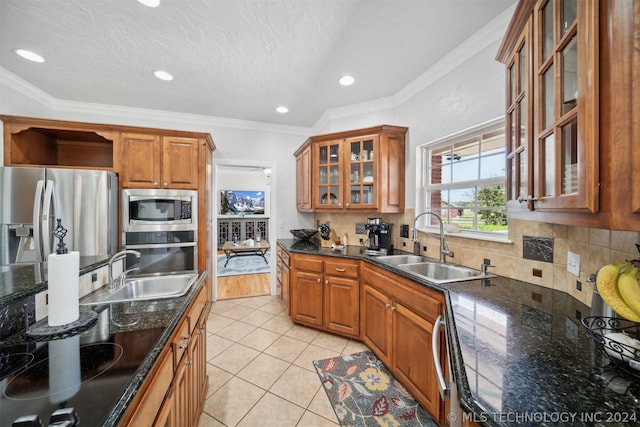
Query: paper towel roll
x,y
64,288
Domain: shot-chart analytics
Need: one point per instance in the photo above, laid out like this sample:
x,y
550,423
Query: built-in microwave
x,y
159,210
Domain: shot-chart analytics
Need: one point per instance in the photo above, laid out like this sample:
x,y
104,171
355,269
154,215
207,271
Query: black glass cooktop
x,y
88,372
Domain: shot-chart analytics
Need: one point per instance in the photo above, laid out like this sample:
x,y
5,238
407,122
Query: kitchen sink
x,y
401,259
145,287
436,272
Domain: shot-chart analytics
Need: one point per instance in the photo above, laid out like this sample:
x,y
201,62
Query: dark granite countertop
x,y
142,329
519,353
19,283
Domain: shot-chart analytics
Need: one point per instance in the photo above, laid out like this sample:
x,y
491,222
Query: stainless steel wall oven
x,y
162,225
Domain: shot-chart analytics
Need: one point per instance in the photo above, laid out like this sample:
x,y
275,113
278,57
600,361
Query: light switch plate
x,y
573,263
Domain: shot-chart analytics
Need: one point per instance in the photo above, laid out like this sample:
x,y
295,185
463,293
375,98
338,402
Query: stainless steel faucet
x,y
444,250
116,257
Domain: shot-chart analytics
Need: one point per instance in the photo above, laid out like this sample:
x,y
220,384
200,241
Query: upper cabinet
x,y
52,143
156,161
360,170
569,112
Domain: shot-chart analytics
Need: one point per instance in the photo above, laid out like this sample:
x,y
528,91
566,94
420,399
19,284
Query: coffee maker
x,y
379,236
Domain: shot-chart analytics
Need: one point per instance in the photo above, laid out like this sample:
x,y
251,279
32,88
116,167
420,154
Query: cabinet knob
x,y
166,184
347,205
189,362
387,305
326,281
183,346
318,280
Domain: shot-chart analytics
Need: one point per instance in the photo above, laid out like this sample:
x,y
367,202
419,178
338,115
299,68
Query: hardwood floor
x,y
250,285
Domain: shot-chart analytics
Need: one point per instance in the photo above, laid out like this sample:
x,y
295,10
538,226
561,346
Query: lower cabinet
x,y
325,293
397,318
175,392
283,275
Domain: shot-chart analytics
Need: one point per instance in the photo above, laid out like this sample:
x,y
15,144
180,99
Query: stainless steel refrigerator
x,y
34,198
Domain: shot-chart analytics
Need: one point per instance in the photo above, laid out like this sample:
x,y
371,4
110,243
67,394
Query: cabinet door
x,y
412,360
140,161
179,163
519,118
198,370
303,181
182,390
341,305
328,176
566,106
166,415
376,323
362,177
306,294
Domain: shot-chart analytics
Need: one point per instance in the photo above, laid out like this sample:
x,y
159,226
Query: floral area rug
x,y
364,393
245,264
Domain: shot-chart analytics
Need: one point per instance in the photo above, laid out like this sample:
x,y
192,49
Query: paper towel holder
x,y
60,232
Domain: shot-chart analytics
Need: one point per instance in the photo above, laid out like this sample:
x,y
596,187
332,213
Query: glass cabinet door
x,y
328,178
566,140
361,180
519,182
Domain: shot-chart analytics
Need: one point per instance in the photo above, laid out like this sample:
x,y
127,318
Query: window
x,y
463,179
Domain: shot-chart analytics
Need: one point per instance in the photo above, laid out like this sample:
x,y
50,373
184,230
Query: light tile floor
x,y
260,367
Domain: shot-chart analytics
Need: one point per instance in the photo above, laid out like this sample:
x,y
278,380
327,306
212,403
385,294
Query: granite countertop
x,y
19,283
142,329
519,353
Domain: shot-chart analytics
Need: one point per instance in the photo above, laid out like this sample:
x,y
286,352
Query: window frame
x,y
423,186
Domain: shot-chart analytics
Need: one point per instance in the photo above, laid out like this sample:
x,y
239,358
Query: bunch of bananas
x,y
619,287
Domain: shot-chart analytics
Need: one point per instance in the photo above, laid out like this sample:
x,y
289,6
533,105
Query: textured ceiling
x,y
234,59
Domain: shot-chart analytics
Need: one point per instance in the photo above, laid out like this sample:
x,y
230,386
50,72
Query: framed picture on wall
x,y
241,202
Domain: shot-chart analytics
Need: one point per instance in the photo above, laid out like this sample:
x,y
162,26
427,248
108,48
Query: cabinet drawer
x,y
283,255
181,341
308,263
342,267
196,308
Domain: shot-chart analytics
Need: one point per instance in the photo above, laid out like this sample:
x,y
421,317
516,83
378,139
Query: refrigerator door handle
x,y
37,208
49,204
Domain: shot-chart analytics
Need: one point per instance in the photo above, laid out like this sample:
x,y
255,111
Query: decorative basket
x,y
304,233
609,333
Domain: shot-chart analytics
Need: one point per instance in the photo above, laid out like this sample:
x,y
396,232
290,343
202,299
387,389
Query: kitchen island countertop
x,y
519,353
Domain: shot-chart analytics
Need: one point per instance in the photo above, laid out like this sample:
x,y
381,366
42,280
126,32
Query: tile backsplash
x,y
533,246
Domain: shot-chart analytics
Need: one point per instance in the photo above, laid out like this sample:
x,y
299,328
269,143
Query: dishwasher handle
x,y
435,348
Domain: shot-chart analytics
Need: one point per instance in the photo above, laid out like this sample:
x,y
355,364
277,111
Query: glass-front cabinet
x,y
552,110
565,109
359,170
362,173
329,179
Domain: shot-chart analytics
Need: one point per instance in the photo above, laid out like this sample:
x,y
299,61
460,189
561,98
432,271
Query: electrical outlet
x,y
573,263
404,230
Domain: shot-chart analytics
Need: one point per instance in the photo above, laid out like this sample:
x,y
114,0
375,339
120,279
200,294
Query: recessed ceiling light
x,y
150,3
282,109
346,80
31,56
163,75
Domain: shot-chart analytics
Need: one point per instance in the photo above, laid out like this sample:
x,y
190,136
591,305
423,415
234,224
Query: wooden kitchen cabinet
x,y
156,161
283,275
46,143
397,318
325,293
360,170
571,128
303,180
175,391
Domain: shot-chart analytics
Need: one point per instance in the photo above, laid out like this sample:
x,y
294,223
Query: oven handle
x,y
162,245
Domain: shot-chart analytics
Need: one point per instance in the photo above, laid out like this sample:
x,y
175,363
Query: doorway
x,y
244,208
